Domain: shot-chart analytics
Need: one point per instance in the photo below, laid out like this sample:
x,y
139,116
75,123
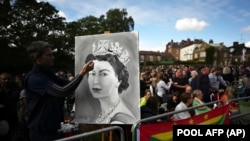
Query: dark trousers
x,y
160,100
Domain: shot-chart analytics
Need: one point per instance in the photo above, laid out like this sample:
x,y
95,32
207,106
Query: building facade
x,y
188,50
147,57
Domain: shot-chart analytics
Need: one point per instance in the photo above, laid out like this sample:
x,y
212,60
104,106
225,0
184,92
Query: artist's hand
x,y
86,68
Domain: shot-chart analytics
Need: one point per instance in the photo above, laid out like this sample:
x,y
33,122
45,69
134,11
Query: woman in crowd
x,y
144,99
173,102
198,95
150,109
162,88
186,101
226,98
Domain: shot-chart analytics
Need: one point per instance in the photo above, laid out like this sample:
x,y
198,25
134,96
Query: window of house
x,y
151,58
177,51
142,58
195,55
225,55
203,54
159,58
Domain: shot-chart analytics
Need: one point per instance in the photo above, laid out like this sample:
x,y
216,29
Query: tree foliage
x,y
117,21
210,55
24,21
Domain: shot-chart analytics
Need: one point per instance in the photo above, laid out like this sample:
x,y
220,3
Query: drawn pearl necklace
x,y
103,117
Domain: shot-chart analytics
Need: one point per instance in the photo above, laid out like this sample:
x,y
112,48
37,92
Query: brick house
x,y
149,56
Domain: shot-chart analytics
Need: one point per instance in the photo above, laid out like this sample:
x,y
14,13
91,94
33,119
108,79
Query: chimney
x,y
211,41
235,44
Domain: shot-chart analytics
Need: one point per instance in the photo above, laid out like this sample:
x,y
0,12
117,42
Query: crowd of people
x,y
178,87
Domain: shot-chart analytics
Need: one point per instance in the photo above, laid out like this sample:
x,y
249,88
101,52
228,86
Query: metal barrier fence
x,y
80,136
240,114
135,126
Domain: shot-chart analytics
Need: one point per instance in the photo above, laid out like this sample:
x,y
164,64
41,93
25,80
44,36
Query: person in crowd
x,y
69,101
19,81
187,72
217,83
4,125
247,83
241,70
162,88
227,75
23,133
189,89
202,83
186,101
147,95
22,117
244,77
194,73
179,82
153,78
143,85
227,95
150,109
70,77
12,93
244,106
197,94
45,92
109,68
173,102
240,84
61,74
226,98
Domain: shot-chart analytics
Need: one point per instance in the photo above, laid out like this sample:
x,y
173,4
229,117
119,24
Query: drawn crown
x,y
107,47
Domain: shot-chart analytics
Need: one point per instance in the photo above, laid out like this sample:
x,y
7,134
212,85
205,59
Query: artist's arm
x,y
58,91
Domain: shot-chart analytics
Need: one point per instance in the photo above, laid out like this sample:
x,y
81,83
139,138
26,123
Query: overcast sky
x,y
160,21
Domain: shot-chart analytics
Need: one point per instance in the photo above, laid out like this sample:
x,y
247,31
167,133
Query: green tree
x,y
116,20
210,55
29,21
24,21
85,26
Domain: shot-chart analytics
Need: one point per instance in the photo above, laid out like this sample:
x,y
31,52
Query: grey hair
x,y
226,70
